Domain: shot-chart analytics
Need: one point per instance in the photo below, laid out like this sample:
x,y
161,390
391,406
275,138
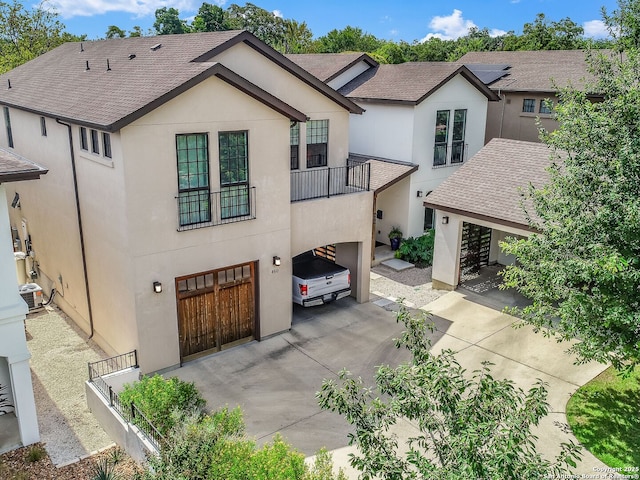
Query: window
x,y
43,126
193,179
442,138
95,143
84,145
234,174
7,123
106,144
529,105
546,106
294,134
429,215
457,144
317,141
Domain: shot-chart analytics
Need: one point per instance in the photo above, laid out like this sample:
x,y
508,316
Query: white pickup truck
x,y
317,280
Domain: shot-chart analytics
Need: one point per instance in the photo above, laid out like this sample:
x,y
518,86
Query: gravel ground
x,y
413,284
59,356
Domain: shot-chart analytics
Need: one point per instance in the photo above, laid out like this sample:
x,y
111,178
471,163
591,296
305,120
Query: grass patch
x,y
604,415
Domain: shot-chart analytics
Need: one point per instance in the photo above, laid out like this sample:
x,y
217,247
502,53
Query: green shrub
x,y
157,398
277,461
322,468
35,453
418,250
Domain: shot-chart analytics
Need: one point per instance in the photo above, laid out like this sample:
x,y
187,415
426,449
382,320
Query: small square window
x,y
529,105
84,145
545,106
43,126
95,142
106,144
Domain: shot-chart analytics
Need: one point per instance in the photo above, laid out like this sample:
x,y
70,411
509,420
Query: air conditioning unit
x,y
32,294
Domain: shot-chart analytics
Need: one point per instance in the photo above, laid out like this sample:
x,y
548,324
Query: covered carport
x,y
482,204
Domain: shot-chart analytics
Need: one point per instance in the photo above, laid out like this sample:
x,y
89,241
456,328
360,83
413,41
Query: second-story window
x,y
193,179
317,143
84,143
545,106
43,126
529,105
95,142
7,124
106,144
459,128
442,138
294,134
234,174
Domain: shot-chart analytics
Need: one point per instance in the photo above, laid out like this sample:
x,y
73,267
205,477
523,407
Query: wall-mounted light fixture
x,y
16,201
445,220
157,287
276,261
419,194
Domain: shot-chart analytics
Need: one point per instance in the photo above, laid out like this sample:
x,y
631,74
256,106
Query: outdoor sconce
x,y
445,220
157,287
419,193
276,261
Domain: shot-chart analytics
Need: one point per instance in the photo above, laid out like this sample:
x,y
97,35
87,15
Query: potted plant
x,y
395,235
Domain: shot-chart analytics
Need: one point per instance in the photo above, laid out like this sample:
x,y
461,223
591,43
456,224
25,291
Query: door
x,y
474,249
216,309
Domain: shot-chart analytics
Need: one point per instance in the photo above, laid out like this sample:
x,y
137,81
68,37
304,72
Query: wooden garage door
x,y
216,309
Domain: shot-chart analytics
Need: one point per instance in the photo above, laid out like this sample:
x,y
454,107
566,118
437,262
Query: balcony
x,y
201,208
330,181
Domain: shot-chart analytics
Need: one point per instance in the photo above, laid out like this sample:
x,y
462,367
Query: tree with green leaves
x,y
349,39
297,38
469,426
265,25
581,269
168,22
25,34
113,31
210,18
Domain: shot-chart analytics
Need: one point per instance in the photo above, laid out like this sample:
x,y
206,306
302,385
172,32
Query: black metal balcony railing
x,y
202,208
113,364
329,182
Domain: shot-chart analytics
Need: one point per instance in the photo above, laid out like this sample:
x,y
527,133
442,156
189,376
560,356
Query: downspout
x,y
504,100
82,249
373,226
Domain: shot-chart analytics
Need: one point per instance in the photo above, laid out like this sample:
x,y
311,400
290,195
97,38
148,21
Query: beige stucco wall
x,y
505,119
394,203
254,66
159,252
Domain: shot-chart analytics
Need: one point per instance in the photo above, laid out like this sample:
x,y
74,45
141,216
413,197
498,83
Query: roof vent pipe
x,y
132,56
9,82
81,47
87,66
108,67
156,47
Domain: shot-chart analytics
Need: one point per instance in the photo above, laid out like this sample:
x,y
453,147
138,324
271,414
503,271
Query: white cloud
x,y
515,1
277,13
595,29
449,27
496,32
140,8
394,32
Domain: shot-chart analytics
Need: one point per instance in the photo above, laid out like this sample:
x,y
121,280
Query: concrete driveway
x,y
274,381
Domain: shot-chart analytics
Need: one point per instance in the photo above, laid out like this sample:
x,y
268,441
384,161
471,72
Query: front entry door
x,y
216,309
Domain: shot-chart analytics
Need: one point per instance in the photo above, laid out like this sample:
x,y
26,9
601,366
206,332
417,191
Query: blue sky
x,y
396,20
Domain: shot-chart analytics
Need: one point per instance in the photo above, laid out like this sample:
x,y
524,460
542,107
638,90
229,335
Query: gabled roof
x,y
14,168
126,78
383,172
327,66
531,71
409,83
488,186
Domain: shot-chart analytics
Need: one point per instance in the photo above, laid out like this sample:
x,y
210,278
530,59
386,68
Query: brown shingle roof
x,y
409,82
14,168
143,73
383,172
488,186
534,70
327,66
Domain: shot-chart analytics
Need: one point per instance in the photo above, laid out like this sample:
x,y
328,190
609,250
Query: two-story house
x,y
427,116
527,83
185,171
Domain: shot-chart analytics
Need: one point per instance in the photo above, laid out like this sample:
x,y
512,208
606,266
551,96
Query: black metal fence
x,y
113,364
129,413
207,209
329,182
